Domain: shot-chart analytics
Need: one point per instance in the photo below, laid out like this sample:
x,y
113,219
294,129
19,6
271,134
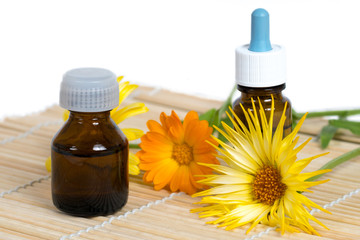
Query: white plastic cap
x,y
260,69
89,90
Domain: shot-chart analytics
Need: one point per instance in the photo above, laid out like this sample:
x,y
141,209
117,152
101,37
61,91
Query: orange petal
x,y
185,184
158,137
198,133
163,118
175,117
164,177
195,184
189,131
155,142
140,153
154,156
148,166
158,167
195,170
190,116
151,147
145,177
204,147
176,130
175,181
177,134
155,127
153,171
205,158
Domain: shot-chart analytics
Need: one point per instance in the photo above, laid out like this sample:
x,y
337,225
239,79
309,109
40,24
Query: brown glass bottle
x,y
264,94
89,165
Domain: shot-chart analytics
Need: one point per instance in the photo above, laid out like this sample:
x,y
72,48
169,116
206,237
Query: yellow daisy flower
x,y
119,115
263,182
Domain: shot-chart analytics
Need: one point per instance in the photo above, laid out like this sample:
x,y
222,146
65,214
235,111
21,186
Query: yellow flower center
x,y
267,186
182,153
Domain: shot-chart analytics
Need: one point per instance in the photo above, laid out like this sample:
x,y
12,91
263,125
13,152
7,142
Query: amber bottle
x,y
89,153
261,73
264,95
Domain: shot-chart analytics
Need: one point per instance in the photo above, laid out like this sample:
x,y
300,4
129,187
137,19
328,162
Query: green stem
x,y
337,161
134,146
228,102
231,94
340,113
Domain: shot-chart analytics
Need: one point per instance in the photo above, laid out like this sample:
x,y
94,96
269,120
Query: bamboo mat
x,y
27,212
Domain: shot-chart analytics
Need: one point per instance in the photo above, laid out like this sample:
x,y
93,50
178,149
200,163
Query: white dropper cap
x,y
260,64
89,90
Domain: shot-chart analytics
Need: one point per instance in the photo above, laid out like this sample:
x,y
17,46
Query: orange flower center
x,y
182,153
267,186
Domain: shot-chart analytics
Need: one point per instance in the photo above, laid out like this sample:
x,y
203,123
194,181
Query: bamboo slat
x,y
27,212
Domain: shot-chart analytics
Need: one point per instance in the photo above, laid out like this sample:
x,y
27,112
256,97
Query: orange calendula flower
x,y
172,151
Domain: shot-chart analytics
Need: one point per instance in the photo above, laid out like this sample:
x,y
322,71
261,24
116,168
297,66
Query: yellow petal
x,y
126,91
225,170
134,170
119,78
224,179
133,164
128,111
66,115
133,159
132,133
223,189
48,164
299,165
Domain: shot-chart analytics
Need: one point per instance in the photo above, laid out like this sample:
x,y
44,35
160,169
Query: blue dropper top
x,y
260,39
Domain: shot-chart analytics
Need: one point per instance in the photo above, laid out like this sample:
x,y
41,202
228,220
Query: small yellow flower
x,y
172,152
119,115
263,180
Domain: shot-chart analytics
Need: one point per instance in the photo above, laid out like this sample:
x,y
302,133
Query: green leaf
x,y
228,103
216,119
216,116
208,115
224,108
134,146
337,161
222,138
327,133
339,113
296,116
354,127
212,116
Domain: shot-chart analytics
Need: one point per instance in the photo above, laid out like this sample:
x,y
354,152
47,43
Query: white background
x,y
182,45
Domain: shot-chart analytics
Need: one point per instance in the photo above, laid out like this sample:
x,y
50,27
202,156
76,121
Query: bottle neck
x,y
265,91
89,116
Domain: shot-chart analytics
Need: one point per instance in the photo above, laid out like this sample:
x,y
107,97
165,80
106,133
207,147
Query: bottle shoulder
x,y
266,98
89,138
279,101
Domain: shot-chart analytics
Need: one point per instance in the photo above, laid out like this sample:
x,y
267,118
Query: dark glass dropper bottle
x,y
261,73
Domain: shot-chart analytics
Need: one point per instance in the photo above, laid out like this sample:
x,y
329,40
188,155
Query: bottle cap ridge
x,y
89,90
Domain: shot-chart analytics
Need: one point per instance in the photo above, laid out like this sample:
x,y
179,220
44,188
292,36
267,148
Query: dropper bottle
x,y
261,73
